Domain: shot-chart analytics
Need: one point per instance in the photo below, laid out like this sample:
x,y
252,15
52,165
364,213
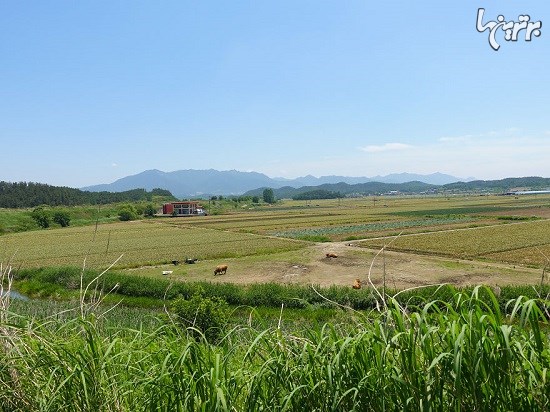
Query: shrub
x,y
127,212
149,210
41,217
200,315
62,218
231,292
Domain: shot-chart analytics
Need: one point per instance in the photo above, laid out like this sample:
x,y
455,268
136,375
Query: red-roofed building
x,y
183,209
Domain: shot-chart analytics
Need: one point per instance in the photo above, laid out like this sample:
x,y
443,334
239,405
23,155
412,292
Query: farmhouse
x,y
182,209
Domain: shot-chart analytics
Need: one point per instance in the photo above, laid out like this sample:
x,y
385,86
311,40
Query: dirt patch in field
x,y
395,269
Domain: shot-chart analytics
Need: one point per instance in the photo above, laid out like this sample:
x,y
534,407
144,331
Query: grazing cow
x,y
220,269
190,261
357,284
331,255
175,262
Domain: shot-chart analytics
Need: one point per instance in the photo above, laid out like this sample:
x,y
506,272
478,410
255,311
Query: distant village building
x,y
532,192
516,192
183,209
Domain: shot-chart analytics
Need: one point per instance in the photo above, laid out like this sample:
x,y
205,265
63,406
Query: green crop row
x,y
269,222
371,227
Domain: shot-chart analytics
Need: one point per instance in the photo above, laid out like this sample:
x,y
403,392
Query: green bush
x,y
231,293
149,210
68,277
41,217
62,218
202,316
127,212
272,294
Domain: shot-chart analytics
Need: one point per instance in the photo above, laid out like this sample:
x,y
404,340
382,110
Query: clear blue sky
x,y
91,91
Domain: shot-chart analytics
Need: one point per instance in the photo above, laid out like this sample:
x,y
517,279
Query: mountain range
x,y
202,183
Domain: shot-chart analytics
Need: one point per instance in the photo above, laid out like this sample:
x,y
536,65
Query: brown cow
x,y
220,269
331,255
357,284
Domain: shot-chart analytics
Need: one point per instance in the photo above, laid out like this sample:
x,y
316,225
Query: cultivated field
x,y
502,242
141,243
456,239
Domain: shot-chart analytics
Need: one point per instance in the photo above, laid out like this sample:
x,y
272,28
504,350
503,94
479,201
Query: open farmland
x,y
504,239
140,243
491,241
351,219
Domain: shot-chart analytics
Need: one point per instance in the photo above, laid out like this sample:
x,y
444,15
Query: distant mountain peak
x,y
193,183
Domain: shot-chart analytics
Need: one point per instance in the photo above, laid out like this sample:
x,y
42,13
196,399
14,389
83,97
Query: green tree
x,y
127,212
149,210
62,218
255,199
268,196
41,217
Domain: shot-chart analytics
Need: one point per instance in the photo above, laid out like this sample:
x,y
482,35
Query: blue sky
x,y
91,91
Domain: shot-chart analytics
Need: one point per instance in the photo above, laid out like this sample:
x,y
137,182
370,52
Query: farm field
x,y
481,242
139,243
351,219
456,239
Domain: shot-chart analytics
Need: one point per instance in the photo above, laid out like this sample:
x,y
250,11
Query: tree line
x,y
30,194
318,194
415,187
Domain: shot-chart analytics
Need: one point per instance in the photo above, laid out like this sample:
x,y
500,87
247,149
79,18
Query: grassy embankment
x,y
460,354
20,220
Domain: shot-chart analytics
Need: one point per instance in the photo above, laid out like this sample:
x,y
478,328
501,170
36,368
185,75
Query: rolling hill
x,y
202,183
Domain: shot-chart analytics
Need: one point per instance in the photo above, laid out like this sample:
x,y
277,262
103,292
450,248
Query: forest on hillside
x,y
29,194
415,187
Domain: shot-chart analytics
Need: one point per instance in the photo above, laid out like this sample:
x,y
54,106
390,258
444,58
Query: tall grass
x,y
458,354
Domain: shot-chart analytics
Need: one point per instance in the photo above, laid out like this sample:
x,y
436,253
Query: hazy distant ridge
x,y
192,183
375,188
